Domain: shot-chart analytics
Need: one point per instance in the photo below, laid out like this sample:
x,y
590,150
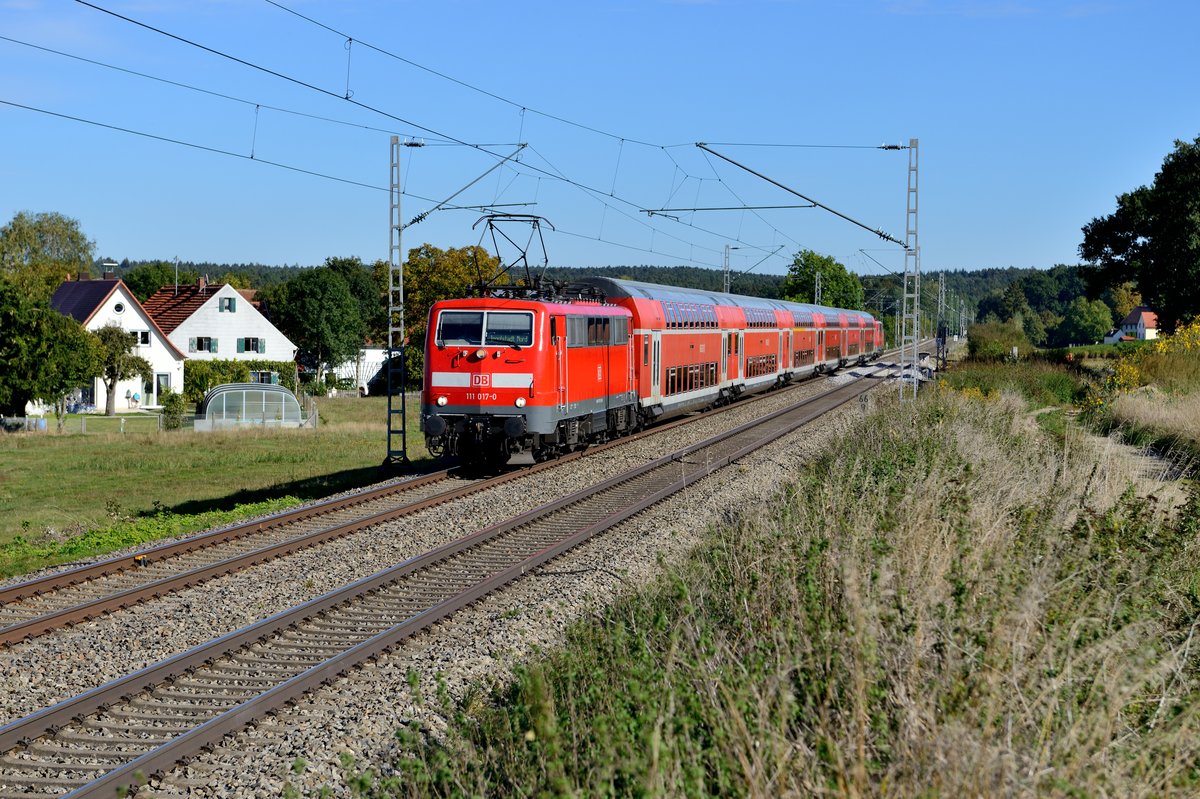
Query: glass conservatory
x,y
235,405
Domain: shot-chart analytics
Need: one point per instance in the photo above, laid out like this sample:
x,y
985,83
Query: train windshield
x,y
491,328
460,327
514,329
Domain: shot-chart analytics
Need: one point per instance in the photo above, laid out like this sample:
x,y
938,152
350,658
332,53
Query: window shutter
x,y
262,345
233,304
241,345
212,347
191,345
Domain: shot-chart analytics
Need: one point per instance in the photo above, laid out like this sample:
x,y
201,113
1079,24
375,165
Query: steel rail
x,y
153,589
208,733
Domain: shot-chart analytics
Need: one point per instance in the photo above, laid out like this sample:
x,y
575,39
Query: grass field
x,y
970,609
54,487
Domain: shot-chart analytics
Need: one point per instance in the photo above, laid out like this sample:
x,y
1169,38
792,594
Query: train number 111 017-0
x,y
480,395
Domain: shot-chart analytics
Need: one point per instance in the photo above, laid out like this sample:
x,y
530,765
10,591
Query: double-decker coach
x,y
694,348
546,374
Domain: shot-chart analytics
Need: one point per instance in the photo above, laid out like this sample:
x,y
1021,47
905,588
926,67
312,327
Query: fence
x,y
88,423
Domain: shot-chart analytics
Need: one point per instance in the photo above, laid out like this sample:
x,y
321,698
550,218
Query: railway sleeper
x,y
90,736
28,763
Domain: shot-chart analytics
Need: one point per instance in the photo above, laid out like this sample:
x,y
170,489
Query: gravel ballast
x,y
359,713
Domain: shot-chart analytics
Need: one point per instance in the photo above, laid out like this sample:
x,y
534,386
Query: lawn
x,y
62,485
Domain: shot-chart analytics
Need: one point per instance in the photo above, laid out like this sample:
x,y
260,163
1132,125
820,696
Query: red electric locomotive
x,y
546,375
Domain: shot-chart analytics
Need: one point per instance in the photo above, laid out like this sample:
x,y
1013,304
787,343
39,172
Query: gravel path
x,y
480,643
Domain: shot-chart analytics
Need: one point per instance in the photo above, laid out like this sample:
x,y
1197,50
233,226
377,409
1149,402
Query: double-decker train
x,y
544,373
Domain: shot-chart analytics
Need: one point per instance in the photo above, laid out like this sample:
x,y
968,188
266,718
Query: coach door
x,y
741,353
656,364
785,338
558,341
725,357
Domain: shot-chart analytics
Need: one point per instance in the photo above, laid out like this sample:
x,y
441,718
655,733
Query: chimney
x,y
202,283
109,270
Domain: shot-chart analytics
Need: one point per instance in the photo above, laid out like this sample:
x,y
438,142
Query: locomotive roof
x,y
634,289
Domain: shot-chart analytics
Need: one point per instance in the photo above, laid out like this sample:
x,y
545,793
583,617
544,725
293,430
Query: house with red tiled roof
x,y
1141,324
96,303
218,322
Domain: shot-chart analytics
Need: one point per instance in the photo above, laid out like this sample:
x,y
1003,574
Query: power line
x,y
459,82
194,146
222,96
599,194
513,103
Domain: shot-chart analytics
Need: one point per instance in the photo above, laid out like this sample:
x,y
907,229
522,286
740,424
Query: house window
x,y
143,337
270,378
227,304
202,344
251,345
119,307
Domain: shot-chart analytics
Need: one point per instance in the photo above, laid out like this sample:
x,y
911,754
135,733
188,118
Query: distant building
x,y
96,303
218,322
1140,325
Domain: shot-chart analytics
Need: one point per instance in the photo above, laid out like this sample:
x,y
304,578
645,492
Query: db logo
x,y
481,380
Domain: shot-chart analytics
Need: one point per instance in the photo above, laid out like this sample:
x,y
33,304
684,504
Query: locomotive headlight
x,y
442,400
481,354
519,402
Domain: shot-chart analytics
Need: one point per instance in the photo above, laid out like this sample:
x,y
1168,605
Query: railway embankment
x,y
951,600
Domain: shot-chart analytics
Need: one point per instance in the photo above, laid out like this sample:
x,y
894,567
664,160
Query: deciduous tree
x,y
38,251
1086,322
840,288
44,354
1153,239
117,362
316,311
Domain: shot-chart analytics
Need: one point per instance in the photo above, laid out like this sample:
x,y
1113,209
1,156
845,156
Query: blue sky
x,y
1031,118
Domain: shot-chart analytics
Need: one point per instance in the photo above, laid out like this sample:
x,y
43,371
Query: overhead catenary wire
x,y
436,141
597,193
450,139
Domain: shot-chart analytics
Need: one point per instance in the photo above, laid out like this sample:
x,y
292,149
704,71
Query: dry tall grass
x,y
950,604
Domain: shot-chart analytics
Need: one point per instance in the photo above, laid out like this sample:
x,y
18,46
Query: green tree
x,y
1153,239
1085,322
117,362
71,357
316,311
1122,299
840,288
367,290
39,251
44,354
147,278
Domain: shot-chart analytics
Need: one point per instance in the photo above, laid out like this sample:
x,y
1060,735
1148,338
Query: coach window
x,y
620,331
646,351
577,331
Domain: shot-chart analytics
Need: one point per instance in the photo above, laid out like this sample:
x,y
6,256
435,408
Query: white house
x,y
218,323
362,368
96,303
1140,325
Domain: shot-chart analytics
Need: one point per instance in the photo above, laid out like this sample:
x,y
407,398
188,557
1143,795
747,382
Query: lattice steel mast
x,y
397,454
911,316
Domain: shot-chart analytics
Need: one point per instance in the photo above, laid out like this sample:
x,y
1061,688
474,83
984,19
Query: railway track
x,y
49,603
149,720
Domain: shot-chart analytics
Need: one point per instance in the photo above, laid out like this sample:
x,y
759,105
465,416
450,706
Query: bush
x,y
995,341
172,409
201,376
